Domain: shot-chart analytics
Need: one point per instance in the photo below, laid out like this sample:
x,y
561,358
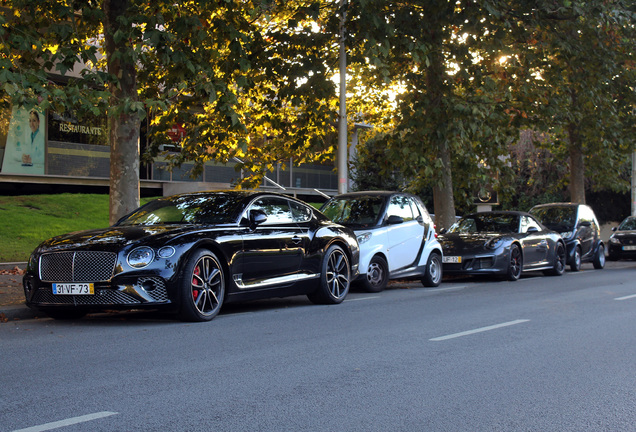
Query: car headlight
x,y
568,234
364,237
494,243
166,252
614,240
141,257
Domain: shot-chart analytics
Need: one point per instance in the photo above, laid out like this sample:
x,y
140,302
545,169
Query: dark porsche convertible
x,y
502,243
191,253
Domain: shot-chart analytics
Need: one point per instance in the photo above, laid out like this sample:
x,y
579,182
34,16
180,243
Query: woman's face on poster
x,y
34,122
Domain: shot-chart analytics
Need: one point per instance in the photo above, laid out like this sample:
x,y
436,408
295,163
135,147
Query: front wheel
x,y
515,264
377,275
433,275
575,265
599,258
202,287
335,278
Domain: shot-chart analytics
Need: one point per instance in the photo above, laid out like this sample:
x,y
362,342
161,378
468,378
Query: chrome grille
x,y
77,266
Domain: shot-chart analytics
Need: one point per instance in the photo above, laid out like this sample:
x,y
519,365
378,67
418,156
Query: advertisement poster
x,y
24,151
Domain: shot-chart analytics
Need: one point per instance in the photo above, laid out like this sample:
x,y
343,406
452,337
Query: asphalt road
x,y
540,354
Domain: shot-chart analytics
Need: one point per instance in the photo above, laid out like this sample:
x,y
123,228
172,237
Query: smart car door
x,y
405,234
535,244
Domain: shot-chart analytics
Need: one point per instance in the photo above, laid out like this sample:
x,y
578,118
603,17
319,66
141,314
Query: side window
x,y
300,213
399,206
527,223
276,209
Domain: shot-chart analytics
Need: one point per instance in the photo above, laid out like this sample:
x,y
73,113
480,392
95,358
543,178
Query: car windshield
x,y
355,212
200,209
560,219
628,224
492,223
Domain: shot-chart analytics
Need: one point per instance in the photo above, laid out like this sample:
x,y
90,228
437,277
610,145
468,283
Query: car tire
x,y
64,313
515,264
599,258
202,287
377,275
575,265
335,278
560,258
433,275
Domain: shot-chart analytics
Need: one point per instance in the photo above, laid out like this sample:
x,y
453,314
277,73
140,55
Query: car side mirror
x,y
443,231
257,217
586,224
532,230
394,220
614,228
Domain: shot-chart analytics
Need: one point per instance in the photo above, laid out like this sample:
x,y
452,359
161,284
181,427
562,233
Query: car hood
x,y
465,243
114,238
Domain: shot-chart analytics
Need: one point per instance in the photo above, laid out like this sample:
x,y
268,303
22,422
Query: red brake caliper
x,y
195,292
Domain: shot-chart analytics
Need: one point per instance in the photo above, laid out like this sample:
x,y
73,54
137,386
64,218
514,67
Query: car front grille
x,y
82,266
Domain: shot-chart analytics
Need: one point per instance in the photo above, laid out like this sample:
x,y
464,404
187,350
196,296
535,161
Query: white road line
x,y
479,330
450,288
626,297
362,298
68,422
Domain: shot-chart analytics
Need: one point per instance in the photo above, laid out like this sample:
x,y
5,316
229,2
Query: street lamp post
x,y
342,117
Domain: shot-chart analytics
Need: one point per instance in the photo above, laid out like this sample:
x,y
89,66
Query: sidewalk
x,y
12,306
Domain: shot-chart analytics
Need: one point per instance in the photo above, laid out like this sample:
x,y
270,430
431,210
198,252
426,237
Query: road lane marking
x,y
450,288
362,298
626,297
479,330
68,422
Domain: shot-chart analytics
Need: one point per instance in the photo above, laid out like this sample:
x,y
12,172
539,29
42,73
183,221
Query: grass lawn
x,y
28,220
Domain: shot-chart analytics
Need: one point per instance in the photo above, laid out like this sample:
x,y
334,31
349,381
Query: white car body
x,y
403,235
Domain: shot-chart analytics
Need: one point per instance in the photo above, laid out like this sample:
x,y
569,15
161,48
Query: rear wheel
x,y
202,287
433,275
599,258
559,261
575,265
377,275
515,264
335,278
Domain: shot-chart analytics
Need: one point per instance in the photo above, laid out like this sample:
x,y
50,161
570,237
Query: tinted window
x,y
300,213
628,224
187,209
356,211
559,219
276,209
498,223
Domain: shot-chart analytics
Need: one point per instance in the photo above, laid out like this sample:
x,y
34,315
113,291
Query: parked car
x,y
396,236
622,243
503,243
579,227
191,253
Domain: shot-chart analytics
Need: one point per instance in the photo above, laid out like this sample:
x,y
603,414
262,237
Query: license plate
x,y
629,248
73,288
452,259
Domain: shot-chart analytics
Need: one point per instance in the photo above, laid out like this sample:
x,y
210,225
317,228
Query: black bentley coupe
x,y
503,243
191,253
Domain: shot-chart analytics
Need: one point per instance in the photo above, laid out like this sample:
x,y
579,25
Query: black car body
x,y
191,253
622,243
579,228
503,243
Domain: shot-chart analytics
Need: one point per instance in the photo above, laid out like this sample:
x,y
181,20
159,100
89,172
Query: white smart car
x,y
396,236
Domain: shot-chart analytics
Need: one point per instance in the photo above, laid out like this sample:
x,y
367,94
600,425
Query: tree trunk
x,y
577,168
123,122
443,199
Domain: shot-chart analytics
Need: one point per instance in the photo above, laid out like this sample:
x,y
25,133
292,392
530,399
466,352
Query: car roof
x,y
559,204
500,212
372,193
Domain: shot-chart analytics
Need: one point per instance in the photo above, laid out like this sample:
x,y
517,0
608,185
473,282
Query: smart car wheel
x,y
599,258
202,287
516,263
335,278
559,261
575,265
377,275
433,275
